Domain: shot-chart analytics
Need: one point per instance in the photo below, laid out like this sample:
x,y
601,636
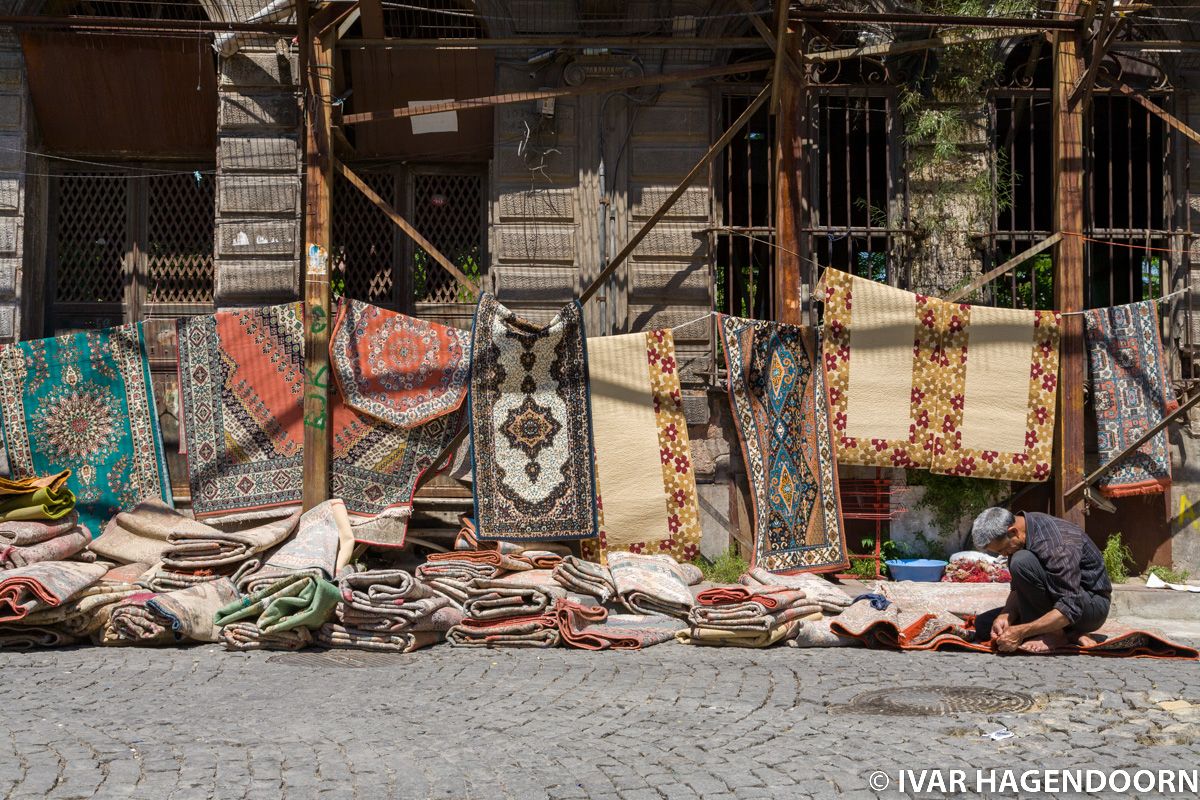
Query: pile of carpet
x,y
387,610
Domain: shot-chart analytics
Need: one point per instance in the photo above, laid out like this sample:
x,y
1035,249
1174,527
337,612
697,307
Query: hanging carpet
x,y
781,411
531,426
84,402
241,379
1130,395
918,382
641,444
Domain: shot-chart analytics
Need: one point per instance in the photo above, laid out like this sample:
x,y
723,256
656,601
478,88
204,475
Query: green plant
x,y
1117,559
727,568
863,568
1170,575
951,498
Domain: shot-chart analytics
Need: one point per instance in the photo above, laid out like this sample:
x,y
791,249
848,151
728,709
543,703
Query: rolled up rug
x,y
654,584
334,635
189,613
538,630
586,577
750,617
59,548
465,565
453,589
726,637
160,579
589,627
321,546
831,599
817,633
296,601
130,622
40,498
44,585
248,636
30,637
500,599
23,533
198,546
385,600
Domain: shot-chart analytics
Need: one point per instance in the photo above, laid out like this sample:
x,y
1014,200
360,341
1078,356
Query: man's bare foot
x,y
1046,643
1083,640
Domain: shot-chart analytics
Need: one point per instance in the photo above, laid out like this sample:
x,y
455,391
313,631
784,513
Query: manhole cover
x,y
936,700
337,659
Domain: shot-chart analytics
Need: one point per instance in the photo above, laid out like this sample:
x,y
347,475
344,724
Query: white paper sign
x,y
440,122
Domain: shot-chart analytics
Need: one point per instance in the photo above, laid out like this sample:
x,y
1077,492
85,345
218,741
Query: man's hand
x,y
1000,625
1010,639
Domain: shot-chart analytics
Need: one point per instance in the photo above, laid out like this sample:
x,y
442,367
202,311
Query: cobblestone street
x,y
669,722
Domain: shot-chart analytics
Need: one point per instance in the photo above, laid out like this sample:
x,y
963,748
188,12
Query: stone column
x,y
258,226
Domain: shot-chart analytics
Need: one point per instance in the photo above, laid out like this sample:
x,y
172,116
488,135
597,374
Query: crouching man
x,y
1060,589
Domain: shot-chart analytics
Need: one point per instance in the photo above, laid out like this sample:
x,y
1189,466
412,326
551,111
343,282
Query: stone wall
x,y
15,119
259,167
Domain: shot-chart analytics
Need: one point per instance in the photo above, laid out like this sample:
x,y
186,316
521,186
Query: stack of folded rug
x,y
515,610
654,584
25,542
586,577
449,574
388,610
44,585
592,627
84,612
741,616
297,601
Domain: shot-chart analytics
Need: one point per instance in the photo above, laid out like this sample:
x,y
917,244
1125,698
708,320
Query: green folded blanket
x,y
46,502
297,601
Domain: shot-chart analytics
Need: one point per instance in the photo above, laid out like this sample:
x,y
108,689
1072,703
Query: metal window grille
x,y
858,195
364,241
447,208
179,240
378,263
91,234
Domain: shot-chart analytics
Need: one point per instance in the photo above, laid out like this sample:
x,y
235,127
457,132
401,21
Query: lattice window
x,y
90,238
364,241
179,239
447,210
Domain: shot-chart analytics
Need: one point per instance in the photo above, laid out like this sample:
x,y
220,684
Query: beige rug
x,y
918,382
644,474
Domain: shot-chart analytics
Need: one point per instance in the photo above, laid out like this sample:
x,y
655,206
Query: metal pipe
x,y
941,20
136,24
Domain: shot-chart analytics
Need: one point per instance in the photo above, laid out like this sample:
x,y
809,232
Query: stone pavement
x,y
670,722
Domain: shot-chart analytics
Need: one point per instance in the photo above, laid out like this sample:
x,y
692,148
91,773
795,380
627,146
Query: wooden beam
x,y
372,18
781,32
1133,446
941,20
768,37
1101,41
897,48
700,165
327,19
317,47
407,227
597,87
991,275
1170,119
791,122
561,43
1068,465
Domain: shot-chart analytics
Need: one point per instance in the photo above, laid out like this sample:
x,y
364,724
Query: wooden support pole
x,y
372,18
992,274
1103,38
1068,467
407,227
592,87
317,49
673,198
790,122
768,36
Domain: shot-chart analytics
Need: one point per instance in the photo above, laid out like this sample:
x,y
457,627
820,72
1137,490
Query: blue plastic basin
x,y
916,569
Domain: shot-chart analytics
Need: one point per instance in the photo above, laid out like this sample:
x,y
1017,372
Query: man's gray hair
x,y
990,525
